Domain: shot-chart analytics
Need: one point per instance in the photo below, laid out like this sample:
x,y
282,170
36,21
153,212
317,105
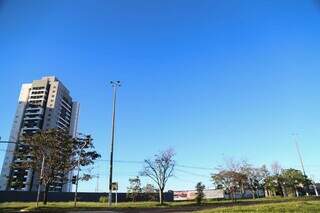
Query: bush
x,y
200,195
103,199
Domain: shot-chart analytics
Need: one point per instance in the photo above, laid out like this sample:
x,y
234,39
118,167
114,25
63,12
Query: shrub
x,y
200,195
103,199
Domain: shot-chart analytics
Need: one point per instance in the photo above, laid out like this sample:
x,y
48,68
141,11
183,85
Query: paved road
x,y
151,210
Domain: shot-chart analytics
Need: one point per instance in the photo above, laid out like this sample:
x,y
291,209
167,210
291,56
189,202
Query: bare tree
x,y
150,191
160,169
276,168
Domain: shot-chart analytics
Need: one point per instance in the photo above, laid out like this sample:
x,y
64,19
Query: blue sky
x,y
210,79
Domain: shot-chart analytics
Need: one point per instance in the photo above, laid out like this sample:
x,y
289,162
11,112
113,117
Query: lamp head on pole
x,y
115,83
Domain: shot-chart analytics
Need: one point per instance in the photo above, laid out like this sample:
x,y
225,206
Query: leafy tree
x,y
271,185
231,181
135,188
231,177
255,177
160,169
274,182
61,153
294,180
200,195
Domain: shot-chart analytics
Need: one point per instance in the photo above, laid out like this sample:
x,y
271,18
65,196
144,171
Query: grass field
x,y
290,206
309,204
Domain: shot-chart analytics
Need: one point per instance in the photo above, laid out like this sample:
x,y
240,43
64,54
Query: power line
x,y
191,173
141,162
182,179
122,161
194,167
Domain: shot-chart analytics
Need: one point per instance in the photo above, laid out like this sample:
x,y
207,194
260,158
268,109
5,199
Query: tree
x,y
60,152
150,191
231,181
135,188
230,177
271,185
276,168
255,177
200,195
294,180
160,169
278,182
149,188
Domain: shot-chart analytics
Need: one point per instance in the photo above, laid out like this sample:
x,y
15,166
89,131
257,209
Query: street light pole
x,y
299,153
115,85
301,161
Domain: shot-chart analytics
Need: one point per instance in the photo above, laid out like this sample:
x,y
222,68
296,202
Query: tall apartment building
x,y
43,104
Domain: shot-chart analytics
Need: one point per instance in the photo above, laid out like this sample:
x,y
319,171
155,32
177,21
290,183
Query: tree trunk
x,y
31,182
161,196
242,190
45,193
284,194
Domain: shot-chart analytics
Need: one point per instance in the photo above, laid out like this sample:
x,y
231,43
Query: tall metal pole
x,y
40,181
300,157
301,161
97,184
115,85
315,188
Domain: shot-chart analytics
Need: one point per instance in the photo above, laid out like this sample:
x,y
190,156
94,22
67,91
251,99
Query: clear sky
x,y
210,79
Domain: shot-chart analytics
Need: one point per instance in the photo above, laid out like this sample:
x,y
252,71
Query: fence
x,y
11,196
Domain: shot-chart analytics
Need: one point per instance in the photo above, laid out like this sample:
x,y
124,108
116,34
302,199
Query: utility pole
x,y
300,158
97,184
314,186
299,153
115,85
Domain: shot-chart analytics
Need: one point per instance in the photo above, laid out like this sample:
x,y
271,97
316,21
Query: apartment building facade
x,y
43,104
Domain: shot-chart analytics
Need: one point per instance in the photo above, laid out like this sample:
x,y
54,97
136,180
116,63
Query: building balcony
x,y
35,111
32,118
30,128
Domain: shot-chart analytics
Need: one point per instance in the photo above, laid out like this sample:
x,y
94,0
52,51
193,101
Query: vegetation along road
x,y
277,204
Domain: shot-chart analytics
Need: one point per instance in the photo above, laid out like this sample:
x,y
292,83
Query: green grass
x,y
276,204
61,206
290,206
